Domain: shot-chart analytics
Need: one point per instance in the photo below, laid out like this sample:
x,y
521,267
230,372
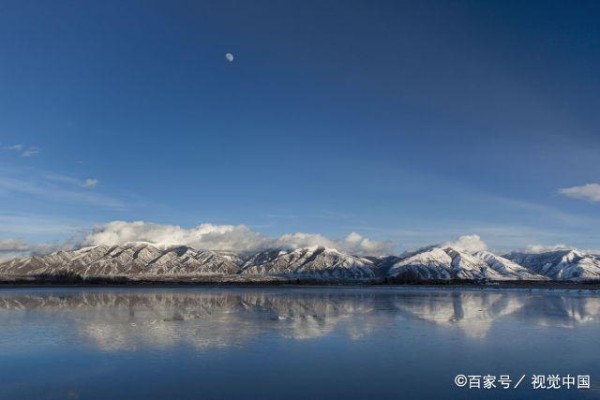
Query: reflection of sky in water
x,y
388,334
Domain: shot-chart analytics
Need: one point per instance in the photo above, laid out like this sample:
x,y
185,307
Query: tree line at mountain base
x,y
67,278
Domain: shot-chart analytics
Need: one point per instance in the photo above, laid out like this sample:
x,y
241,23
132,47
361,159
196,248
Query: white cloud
x,y
365,245
354,238
590,192
23,151
31,151
16,147
229,57
300,239
70,181
469,243
90,183
204,236
238,238
13,245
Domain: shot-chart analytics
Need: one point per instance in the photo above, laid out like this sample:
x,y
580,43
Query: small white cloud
x,y
354,238
90,183
68,180
229,57
16,147
368,246
22,150
590,192
29,152
362,245
470,243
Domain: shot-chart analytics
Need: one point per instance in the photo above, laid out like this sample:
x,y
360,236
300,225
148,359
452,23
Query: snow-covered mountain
x,y
146,261
570,265
311,262
444,263
134,259
441,263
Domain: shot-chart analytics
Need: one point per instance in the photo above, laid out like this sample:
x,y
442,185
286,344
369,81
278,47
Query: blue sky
x,y
408,122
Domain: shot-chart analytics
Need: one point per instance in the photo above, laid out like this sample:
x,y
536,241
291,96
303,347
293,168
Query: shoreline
x,y
296,283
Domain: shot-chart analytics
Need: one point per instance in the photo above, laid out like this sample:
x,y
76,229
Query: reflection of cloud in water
x,y
128,320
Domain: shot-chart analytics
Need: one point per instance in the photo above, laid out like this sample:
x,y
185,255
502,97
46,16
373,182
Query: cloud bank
x,y
203,236
590,192
237,238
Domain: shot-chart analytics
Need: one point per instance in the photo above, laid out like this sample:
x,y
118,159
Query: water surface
x,y
292,343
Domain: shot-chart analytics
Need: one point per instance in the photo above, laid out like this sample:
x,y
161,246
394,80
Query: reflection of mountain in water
x,y
471,312
118,320
474,313
565,311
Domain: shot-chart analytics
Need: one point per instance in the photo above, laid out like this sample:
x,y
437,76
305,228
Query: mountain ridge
x,y
139,260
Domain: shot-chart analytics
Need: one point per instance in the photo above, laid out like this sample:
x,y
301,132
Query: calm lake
x,y
293,343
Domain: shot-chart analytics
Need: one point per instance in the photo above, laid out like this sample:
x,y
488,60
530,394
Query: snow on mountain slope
x,y
311,262
444,263
439,263
569,265
507,268
127,260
